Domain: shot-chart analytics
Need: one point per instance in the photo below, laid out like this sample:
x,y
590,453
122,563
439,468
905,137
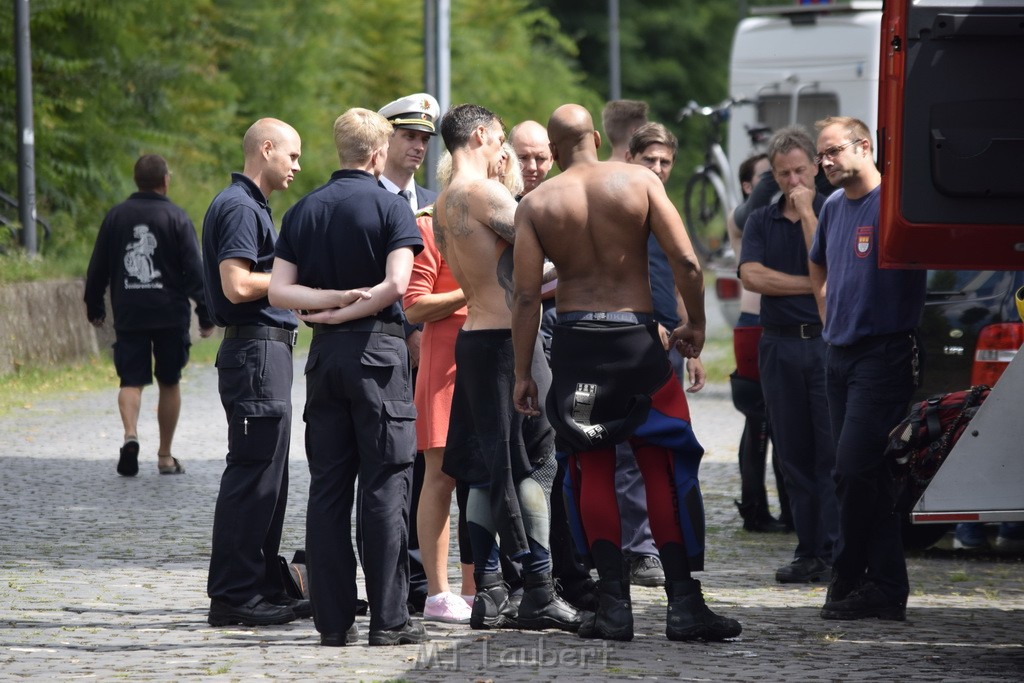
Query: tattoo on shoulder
x,y
502,209
457,211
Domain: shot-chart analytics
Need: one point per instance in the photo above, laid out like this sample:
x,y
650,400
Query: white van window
x,y
774,110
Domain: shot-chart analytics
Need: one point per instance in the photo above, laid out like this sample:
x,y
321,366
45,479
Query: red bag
x,y
919,444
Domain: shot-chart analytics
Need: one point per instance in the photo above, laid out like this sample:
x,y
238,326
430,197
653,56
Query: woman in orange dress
x,y
434,298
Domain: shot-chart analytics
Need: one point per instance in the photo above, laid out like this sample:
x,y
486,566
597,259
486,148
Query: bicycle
x,y
713,191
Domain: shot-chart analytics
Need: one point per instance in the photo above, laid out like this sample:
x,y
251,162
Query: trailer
x,y
951,132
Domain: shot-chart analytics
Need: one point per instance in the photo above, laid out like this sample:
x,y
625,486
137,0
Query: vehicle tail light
x,y
727,288
997,345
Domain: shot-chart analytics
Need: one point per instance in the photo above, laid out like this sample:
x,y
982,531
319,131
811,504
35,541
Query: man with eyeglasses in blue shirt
x,y
872,367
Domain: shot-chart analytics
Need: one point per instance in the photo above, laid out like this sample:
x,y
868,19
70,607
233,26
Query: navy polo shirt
x,y
861,299
238,225
340,234
776,242
663,285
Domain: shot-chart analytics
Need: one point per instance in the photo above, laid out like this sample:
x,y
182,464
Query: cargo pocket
x,y
255,429
230,358
232,377
381,358
400,440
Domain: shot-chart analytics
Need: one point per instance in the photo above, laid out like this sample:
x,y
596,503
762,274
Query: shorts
x,y
136,350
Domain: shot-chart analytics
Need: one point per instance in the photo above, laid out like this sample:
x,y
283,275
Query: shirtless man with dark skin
x,y
611,376
507,460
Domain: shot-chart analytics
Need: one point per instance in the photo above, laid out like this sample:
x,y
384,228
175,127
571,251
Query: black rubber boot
x,y
542,608
689,618
491,606
614,617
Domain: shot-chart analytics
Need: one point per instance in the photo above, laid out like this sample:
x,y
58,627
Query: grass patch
x,y
28,384
718,359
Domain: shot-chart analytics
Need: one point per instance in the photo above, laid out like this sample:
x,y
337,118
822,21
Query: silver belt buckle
x,y
803,334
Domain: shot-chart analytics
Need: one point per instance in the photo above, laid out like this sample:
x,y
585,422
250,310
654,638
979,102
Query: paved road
x,y
104,578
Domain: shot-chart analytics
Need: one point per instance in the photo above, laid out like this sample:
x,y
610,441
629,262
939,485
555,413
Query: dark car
x,y
970,330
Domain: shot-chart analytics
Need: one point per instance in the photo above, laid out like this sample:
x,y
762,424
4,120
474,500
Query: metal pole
x,y
437,71
26,134
444,54
430,84
614,69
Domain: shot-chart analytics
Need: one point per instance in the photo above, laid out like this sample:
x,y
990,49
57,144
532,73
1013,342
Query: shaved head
x,y
273,130
528,131
568,124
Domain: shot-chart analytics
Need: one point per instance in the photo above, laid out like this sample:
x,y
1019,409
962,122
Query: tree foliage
x,y
113,80
185,79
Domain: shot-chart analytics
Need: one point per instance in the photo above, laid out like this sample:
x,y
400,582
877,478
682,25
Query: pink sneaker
x,y
448,608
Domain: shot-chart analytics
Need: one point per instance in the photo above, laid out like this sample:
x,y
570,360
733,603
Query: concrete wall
x,y
43,324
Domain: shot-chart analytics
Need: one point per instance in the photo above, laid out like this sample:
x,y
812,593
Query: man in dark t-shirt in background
x,y
147,252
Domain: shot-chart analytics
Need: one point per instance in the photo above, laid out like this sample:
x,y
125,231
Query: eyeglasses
x,y
833,152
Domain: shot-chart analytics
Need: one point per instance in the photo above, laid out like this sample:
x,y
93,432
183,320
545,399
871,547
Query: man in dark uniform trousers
x,y
254,367
791,352
412,118
344,260
872,367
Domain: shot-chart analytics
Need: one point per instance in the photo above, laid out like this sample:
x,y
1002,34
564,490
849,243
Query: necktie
x,y
407,194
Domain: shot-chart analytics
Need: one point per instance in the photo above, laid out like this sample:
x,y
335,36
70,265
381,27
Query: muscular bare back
x,y
473,227
593,221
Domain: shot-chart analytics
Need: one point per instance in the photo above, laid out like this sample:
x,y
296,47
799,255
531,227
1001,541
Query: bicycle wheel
x,y
704,213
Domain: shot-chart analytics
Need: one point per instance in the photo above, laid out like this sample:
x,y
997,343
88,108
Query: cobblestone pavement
x,y
104,578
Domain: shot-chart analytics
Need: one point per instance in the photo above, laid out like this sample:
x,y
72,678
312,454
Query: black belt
x,y
805,331
280,334
631,317
362,325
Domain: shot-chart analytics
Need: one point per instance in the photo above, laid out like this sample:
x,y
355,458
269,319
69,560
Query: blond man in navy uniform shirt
x,y
344,260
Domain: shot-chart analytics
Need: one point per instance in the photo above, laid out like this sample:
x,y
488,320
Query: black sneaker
x,y
256,612
867,601
408,634
804,570
646,570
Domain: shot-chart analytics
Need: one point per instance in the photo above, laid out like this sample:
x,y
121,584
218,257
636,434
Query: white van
x,y
798,64
801,63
